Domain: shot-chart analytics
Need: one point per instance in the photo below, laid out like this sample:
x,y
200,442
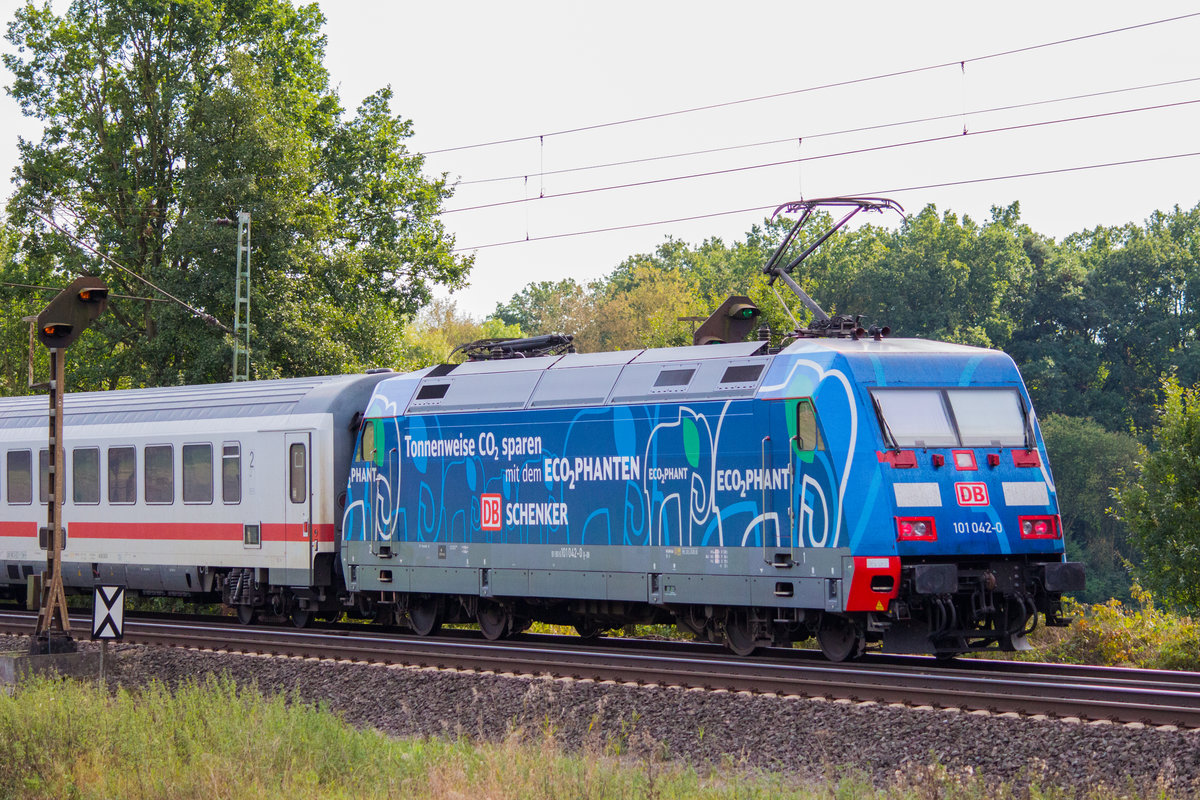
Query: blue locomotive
x,y
846,485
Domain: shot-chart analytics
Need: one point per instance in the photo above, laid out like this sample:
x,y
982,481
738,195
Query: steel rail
x,y
1088,693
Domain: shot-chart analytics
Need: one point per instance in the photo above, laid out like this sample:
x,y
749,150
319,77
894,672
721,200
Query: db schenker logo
x,y
489,512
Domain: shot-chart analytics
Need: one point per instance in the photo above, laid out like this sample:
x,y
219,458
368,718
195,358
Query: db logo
x,y
971,494
489,512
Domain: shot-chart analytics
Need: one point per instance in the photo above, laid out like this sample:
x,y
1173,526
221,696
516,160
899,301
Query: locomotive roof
x,y
720,371
199,402
896,346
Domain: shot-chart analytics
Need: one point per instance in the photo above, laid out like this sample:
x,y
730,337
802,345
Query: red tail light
x,y
915,529
1043,527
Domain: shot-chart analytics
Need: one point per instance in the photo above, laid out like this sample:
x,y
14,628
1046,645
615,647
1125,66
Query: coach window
x,y
231,472
20,476
44,476
85,475
160,473
197,473
298,472
808,438
122,475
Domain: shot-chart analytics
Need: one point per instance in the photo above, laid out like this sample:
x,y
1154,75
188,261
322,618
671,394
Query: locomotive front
x,y
949,486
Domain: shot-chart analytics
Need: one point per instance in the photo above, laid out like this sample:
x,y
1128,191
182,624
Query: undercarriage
x,y
960,607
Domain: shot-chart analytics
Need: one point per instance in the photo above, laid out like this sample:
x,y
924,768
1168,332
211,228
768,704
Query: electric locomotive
x,y
847,485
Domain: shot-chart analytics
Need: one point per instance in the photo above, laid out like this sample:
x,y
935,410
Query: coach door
x,y
297,513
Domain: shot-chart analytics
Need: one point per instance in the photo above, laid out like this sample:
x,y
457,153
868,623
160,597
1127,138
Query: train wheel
x,y
588,629
739,633
425,615
302,617
839,638
246,613
494,620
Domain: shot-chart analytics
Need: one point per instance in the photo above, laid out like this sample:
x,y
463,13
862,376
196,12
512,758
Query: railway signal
x,y
732,322
58,325
71,312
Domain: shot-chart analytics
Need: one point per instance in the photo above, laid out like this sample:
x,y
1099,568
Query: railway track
x,y
1150,697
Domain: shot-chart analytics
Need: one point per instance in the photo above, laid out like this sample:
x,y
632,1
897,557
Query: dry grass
x,y
216,741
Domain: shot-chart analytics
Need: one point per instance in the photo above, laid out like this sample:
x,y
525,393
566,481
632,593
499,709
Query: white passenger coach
x,y
229,489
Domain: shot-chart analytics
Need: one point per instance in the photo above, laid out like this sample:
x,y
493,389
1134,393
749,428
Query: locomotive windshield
x,y
952,417
988,417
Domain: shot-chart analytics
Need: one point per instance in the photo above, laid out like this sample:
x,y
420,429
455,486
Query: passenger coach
x,y
227,491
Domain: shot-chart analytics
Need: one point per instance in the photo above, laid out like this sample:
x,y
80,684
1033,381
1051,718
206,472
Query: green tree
x,y
1160,502
440,328
163,115
549,307
1088,462
642,312
1055,344
937,276
1144,315
16,303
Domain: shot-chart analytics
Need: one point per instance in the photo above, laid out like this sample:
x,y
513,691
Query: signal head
x,y
71,311
731,322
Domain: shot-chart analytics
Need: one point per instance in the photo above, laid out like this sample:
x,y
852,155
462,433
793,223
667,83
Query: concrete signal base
x,y
18,665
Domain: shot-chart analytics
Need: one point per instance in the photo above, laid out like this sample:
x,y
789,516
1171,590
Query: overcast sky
x,y
470,72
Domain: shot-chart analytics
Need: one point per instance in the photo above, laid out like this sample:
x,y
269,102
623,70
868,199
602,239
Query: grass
x,y
216,741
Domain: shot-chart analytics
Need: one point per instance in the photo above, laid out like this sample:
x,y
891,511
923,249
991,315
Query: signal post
x,y
58,325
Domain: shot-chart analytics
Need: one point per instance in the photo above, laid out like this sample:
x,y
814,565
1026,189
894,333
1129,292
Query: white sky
x,y
468,72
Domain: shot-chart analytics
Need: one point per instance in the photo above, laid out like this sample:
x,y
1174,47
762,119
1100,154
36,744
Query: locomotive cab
x,y
946,501
977,526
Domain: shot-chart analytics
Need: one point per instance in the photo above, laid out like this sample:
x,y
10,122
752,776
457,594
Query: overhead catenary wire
x,y
802,159
958,63
203,315
893,190
826,134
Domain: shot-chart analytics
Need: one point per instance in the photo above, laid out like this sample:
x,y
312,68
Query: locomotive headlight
x,y
920,529
1040,527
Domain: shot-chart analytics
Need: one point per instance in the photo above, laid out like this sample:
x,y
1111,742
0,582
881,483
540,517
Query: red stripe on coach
x,y
19,529
196,531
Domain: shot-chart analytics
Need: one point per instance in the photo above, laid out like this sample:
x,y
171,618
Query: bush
x,y
1120,635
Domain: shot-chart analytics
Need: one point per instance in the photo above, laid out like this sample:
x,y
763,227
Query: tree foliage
x,y
439,329
162,116
1088,462
1161,501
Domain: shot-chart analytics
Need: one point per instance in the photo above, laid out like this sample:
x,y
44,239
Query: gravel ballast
x,y
696,727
